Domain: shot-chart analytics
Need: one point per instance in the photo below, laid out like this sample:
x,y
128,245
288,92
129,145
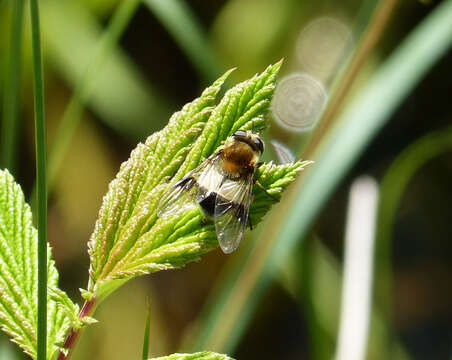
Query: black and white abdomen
x,y
213,185
207,201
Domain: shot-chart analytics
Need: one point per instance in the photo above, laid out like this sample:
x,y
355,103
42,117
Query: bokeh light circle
x,y
298,102
322,45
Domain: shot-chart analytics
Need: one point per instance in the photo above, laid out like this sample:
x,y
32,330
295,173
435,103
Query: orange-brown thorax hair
x,y
238,158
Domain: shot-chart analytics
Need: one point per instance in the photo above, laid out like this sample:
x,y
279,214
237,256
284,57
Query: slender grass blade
x,y
40,138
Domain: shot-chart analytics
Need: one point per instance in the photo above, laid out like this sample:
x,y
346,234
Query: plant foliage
x,y
129,239
18,276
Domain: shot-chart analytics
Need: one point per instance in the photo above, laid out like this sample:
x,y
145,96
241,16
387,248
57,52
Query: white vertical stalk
x,y
358,270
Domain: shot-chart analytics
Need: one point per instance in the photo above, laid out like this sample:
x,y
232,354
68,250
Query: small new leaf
x,y
129,239
18,276
86,295
65,303
88,320
204,355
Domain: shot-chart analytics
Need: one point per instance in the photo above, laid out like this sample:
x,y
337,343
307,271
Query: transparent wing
x,y
180,197
231,212
184,194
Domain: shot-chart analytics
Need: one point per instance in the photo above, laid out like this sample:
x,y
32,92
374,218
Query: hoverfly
x,y
222,186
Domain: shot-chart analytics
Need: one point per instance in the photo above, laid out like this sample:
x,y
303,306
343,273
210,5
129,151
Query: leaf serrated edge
x,y
21,324
100,250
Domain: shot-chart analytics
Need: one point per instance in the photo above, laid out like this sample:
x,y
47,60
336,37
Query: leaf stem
x,y
87,310
40,138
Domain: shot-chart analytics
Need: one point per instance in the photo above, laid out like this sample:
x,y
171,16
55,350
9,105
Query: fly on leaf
x,y
222,186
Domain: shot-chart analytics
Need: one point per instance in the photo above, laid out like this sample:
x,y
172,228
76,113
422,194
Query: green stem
x,y
87,310
145,351
40,138
12,85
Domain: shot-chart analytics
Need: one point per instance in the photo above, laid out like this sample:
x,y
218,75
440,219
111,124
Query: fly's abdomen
x,y
207,203
213,203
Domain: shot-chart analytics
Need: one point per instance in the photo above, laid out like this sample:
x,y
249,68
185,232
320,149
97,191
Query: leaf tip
x,y
223,77
274,69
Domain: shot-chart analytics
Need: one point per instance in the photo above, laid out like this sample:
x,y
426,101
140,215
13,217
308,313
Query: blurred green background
x,y
365,89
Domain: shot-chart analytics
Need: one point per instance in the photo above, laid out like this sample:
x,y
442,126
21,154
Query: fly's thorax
x,y
238,159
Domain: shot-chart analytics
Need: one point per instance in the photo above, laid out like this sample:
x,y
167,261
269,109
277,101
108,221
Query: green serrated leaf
x,y
204,355
18,276
274,179
65,303
129,239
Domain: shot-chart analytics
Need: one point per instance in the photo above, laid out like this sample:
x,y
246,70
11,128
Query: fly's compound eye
x,y
259,144
239,133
